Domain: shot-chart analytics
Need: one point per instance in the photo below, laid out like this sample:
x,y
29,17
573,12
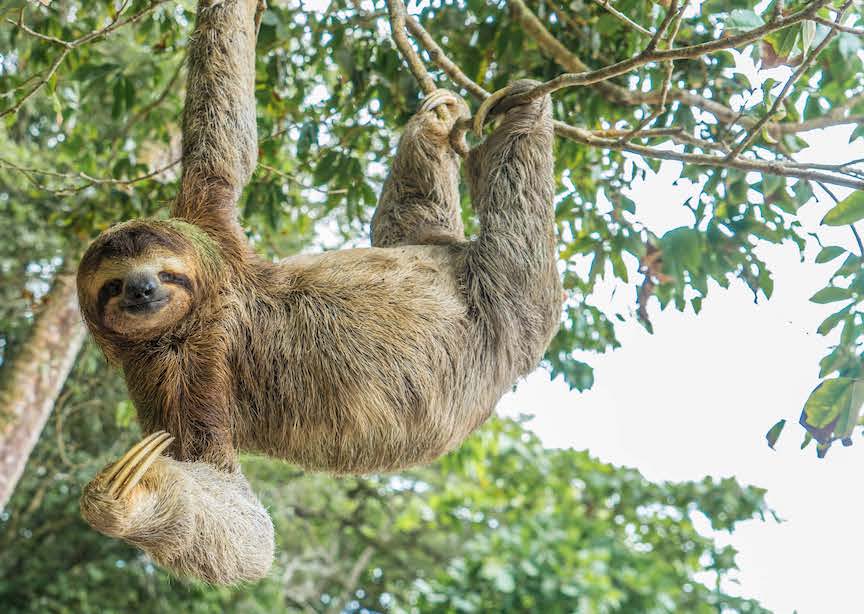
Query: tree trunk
x,y
35,378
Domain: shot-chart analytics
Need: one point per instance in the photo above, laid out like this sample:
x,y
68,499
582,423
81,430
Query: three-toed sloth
x,y
352,361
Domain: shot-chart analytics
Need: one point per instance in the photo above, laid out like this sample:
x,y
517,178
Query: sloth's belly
x,y
373,373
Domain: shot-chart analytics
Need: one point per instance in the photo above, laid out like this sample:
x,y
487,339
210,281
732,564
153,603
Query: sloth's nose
x,y
140,287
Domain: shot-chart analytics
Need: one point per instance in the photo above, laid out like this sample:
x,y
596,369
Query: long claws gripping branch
x,y
486,106
128,471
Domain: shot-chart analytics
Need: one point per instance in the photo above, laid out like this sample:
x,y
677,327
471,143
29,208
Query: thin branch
x,y
669,68
51,39
857,240
766,167
671,12
293,179
46,76
836,26
586,137
650,55
753,132
158,100
813,124
623,18
89,180
569,61
69,46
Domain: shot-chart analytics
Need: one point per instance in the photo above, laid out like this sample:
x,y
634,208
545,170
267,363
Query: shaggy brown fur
x,y
351,361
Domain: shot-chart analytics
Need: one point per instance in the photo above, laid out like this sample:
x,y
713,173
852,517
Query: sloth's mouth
x,y
145,307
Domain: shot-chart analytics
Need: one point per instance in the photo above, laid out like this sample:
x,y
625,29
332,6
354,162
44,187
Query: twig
x,y
836,26
669,67
857,240
650,55
770,168
69,46
156,101
588,138
89,181
753,132
623,18
293,179
671,12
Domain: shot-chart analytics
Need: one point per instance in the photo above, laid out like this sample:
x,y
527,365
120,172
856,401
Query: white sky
x,y
697,397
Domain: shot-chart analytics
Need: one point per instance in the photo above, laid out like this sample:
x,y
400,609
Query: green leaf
x,y
741,20
831,295
124,414
827,400
785,40
847,211
774,432
808,32
833,320
829,253
848,418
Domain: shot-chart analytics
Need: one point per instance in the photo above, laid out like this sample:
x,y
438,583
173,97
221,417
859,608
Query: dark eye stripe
x,y
108,291
176,279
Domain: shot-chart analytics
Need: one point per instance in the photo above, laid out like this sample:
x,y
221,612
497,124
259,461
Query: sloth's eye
x,y
113,288
176,279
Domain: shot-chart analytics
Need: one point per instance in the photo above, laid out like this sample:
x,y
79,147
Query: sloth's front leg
x,y
192,518
137,497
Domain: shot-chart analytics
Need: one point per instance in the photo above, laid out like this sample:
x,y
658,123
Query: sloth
x,y
349,362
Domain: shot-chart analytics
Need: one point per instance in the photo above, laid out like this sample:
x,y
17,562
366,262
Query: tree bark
x,y
35,377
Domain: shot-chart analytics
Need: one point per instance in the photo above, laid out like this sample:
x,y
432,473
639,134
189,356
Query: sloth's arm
x,y
511,268
420,200
191,518
220,138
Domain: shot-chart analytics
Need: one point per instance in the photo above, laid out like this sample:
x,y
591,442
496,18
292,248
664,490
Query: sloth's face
x,y
136,282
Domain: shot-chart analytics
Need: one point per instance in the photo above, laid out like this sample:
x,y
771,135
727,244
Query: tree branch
x,y
650,54
753,131
836,26
588,137
69,46
89,181
623,18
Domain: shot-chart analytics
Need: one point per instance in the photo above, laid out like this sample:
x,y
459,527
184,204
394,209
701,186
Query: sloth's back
x,y
363,360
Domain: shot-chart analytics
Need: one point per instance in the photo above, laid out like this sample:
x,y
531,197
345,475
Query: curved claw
x,y
128,471
441,97
486,106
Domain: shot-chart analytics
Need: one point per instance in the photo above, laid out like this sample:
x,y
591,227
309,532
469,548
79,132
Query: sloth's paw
x,y
440,97
116,500
451,127
506,101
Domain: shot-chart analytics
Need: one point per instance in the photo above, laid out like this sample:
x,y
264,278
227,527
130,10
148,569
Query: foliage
x,y
332,93
500,525
97,141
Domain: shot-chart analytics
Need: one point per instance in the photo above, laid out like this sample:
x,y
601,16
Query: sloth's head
x,y
140,279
